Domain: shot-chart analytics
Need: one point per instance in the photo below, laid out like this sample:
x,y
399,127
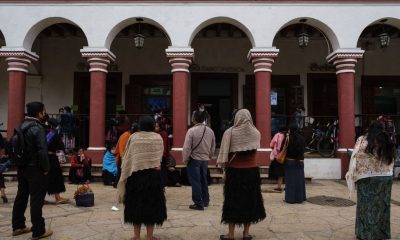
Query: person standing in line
x,y
140,187
55,176
295,186
32,175
121,146
371,173
159,128
243,201
277,170
119,153
198,148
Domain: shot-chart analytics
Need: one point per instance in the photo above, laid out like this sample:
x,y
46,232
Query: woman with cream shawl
x,y
243,202
140,186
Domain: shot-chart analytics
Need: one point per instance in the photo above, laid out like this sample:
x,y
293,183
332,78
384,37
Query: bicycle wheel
x,y
326,146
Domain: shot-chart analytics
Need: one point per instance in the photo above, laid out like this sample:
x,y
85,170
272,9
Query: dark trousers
x,y
197,175
31,182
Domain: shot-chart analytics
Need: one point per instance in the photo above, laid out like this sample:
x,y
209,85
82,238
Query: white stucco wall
x,y
322,168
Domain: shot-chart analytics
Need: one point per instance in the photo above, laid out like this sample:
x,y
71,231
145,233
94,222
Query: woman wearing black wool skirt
x,y
243,202
55,177
295,186
140,186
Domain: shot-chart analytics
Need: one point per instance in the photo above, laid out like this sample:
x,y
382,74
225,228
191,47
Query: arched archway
x,y
218,73
132,21
378,75
145,81
59,67
38,27
301,76
225,20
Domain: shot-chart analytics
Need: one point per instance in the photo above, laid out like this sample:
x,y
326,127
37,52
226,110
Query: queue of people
x,y
140,166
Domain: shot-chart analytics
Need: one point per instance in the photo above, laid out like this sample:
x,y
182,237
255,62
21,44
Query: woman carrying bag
x,y
243,203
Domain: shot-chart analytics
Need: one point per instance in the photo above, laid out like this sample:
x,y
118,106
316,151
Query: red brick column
x,y
345,61
262,60
18,64
98,61
180,60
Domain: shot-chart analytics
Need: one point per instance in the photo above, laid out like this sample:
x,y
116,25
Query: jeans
x,y
197,175
31,182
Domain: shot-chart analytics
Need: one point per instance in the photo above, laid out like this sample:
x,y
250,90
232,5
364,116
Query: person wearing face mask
x,y
207,118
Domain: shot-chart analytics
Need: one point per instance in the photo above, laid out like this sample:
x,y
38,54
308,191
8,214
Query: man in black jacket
x,y
32,175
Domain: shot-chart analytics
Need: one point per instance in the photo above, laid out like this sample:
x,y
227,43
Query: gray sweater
x,y
206,148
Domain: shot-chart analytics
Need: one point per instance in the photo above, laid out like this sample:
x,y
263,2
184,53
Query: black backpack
x,y
18,148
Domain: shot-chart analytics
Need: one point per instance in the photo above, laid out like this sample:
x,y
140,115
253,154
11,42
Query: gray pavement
x,y
284,221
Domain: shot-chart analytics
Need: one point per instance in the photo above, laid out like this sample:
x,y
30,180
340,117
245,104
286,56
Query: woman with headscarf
x,y
140,186
55,176
371,173
243,202
295,186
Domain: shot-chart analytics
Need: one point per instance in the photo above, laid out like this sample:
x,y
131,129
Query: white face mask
x,y
201,109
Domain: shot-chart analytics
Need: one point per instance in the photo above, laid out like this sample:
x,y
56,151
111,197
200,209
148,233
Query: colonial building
x,y
336,58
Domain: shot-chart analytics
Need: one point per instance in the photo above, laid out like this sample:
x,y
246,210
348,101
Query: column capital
x,y
262,58
98,58
18,59
345,59
180,58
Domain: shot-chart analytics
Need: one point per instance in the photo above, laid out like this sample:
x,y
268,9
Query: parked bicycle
x,y
324,139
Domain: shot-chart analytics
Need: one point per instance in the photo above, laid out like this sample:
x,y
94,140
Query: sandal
x,y
62,201
225,237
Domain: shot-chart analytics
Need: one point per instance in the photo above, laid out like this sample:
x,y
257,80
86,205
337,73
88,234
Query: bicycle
x,y
324,140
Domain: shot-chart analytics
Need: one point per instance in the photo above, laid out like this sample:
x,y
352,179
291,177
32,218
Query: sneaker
x,y
196,207
114,208
46,234
21,231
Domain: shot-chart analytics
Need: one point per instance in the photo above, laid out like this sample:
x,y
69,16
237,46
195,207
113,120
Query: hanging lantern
x,y
303,39
139,38
384,40
139,41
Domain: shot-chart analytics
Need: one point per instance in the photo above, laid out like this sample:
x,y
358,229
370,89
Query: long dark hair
x,y
379,143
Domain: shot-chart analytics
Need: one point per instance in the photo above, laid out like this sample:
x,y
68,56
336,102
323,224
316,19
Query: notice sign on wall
x,y
274,98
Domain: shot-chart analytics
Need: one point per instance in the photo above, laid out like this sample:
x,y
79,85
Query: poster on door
x,y
274,98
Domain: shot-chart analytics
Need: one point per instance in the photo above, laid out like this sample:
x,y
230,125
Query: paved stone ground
x,y
284,221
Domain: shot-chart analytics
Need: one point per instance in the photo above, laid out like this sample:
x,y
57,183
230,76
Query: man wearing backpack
x,y
33,167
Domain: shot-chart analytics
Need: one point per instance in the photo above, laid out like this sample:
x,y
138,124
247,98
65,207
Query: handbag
x,y
84,196
282,154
